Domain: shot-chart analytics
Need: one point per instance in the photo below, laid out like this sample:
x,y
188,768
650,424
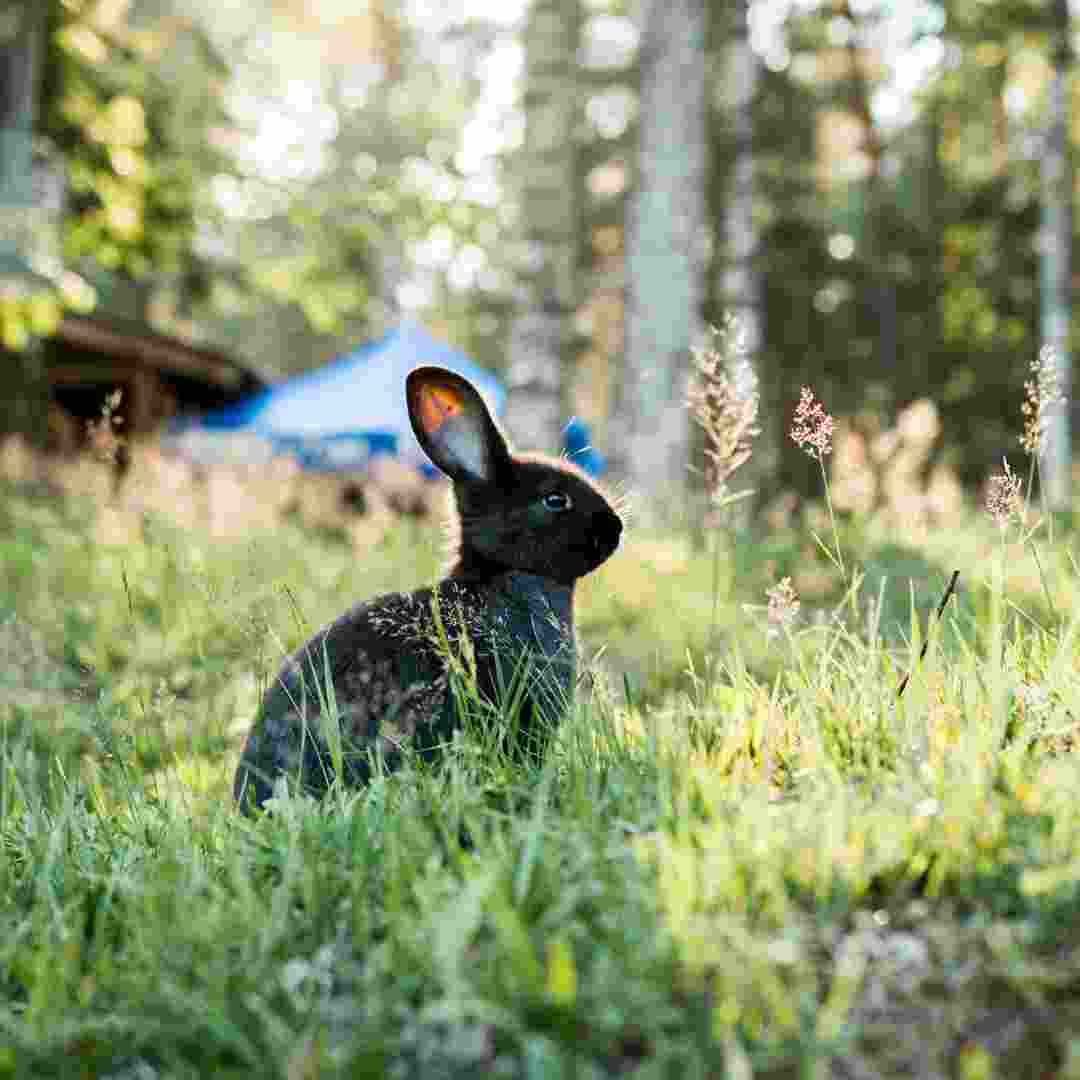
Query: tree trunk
x,y
20,38
1056,230
541,345
740,285
22,391
882,295
667,234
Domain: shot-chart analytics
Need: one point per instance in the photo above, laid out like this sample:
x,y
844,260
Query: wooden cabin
x,y
90,357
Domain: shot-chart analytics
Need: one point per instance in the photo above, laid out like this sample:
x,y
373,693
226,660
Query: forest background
x,y
865,185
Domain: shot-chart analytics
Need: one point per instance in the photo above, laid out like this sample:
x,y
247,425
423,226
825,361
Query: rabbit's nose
x,y
606,536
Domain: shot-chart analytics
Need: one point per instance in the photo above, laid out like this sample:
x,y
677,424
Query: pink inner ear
x,y
435,405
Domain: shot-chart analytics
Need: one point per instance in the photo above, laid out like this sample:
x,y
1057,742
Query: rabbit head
x,y
522,512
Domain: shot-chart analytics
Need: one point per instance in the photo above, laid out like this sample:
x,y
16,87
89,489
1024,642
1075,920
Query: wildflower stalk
x,y
1004,504
999,689
839,555
812,431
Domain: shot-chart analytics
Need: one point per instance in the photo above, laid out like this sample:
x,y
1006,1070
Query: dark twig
x,y
926,644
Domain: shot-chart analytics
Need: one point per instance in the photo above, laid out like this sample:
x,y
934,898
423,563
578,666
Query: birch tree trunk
x,y
666,245
1056,236
541,342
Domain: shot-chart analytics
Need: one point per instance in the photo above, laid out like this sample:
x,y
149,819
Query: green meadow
x,y
745,855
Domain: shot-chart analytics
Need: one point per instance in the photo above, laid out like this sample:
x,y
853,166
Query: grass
x,y
744,856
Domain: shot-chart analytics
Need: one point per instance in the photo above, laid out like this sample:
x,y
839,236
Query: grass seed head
x,y
783,606
1003,497
1042,395
723,398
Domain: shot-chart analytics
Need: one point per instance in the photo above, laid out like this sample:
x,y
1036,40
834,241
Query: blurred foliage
x,y
938,295
282,174
385,200
133,106
265,173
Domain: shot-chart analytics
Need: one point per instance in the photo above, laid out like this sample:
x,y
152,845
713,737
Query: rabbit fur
x,y
527,528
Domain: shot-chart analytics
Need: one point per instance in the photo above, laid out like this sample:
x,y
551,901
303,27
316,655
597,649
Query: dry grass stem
x,y
102,434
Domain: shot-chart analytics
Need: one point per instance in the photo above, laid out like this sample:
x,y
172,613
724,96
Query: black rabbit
x,y
527,528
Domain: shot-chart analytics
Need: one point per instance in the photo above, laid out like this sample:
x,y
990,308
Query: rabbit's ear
x,y
453,425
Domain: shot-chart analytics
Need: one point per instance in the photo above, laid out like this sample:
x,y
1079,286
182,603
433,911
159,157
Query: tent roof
x,y
358,393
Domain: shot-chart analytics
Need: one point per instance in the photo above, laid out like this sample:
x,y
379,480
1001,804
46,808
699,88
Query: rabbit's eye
x,y
557,500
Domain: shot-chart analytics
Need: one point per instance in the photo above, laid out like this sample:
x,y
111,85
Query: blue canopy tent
x,y
336,417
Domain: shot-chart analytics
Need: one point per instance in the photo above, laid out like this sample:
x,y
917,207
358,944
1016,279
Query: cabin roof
x,y
137,344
